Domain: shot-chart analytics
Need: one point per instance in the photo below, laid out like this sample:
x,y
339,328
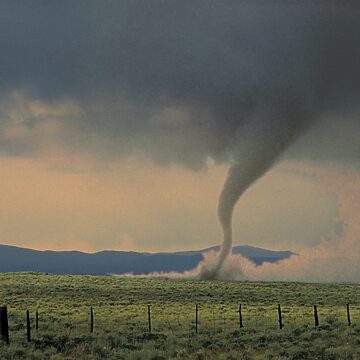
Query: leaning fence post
x,y
28,326
196,317
280,317
149,319
348,314
91,320
316,316
4,326
240,318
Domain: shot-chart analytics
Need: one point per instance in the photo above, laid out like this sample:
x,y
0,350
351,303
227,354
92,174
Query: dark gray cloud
x,y
180,81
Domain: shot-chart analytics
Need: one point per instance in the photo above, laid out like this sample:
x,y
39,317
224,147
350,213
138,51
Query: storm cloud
x,y
179,81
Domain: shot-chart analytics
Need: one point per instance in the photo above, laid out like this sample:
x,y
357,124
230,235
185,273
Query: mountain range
x,y
14,259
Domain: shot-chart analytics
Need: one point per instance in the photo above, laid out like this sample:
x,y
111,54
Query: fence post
x,y
240,318
280,317
91,320
4,326
348,314
28,326
196,318
37,320
149,319
316,316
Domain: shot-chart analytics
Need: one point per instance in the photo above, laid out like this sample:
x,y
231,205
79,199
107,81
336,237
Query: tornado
x,y
261,142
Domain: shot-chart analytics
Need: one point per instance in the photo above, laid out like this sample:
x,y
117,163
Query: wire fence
x,y
134,320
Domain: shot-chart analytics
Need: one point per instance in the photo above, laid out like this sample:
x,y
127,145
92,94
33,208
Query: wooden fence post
x,y
37,320
348,314
240,318
4,326
149,319
280,317
196,318
91,320
316,316
28,326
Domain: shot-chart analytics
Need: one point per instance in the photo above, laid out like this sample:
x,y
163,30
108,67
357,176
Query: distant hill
x,y
14,259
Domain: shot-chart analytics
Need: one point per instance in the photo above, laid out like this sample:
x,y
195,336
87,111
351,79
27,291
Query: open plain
x,y
121,318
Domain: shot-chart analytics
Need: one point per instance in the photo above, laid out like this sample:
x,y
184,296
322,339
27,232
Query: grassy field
x,y
121,322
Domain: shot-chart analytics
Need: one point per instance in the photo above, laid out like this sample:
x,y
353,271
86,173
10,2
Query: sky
x,y
119,121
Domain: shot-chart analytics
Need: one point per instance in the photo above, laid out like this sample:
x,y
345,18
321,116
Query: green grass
x,y
120,319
